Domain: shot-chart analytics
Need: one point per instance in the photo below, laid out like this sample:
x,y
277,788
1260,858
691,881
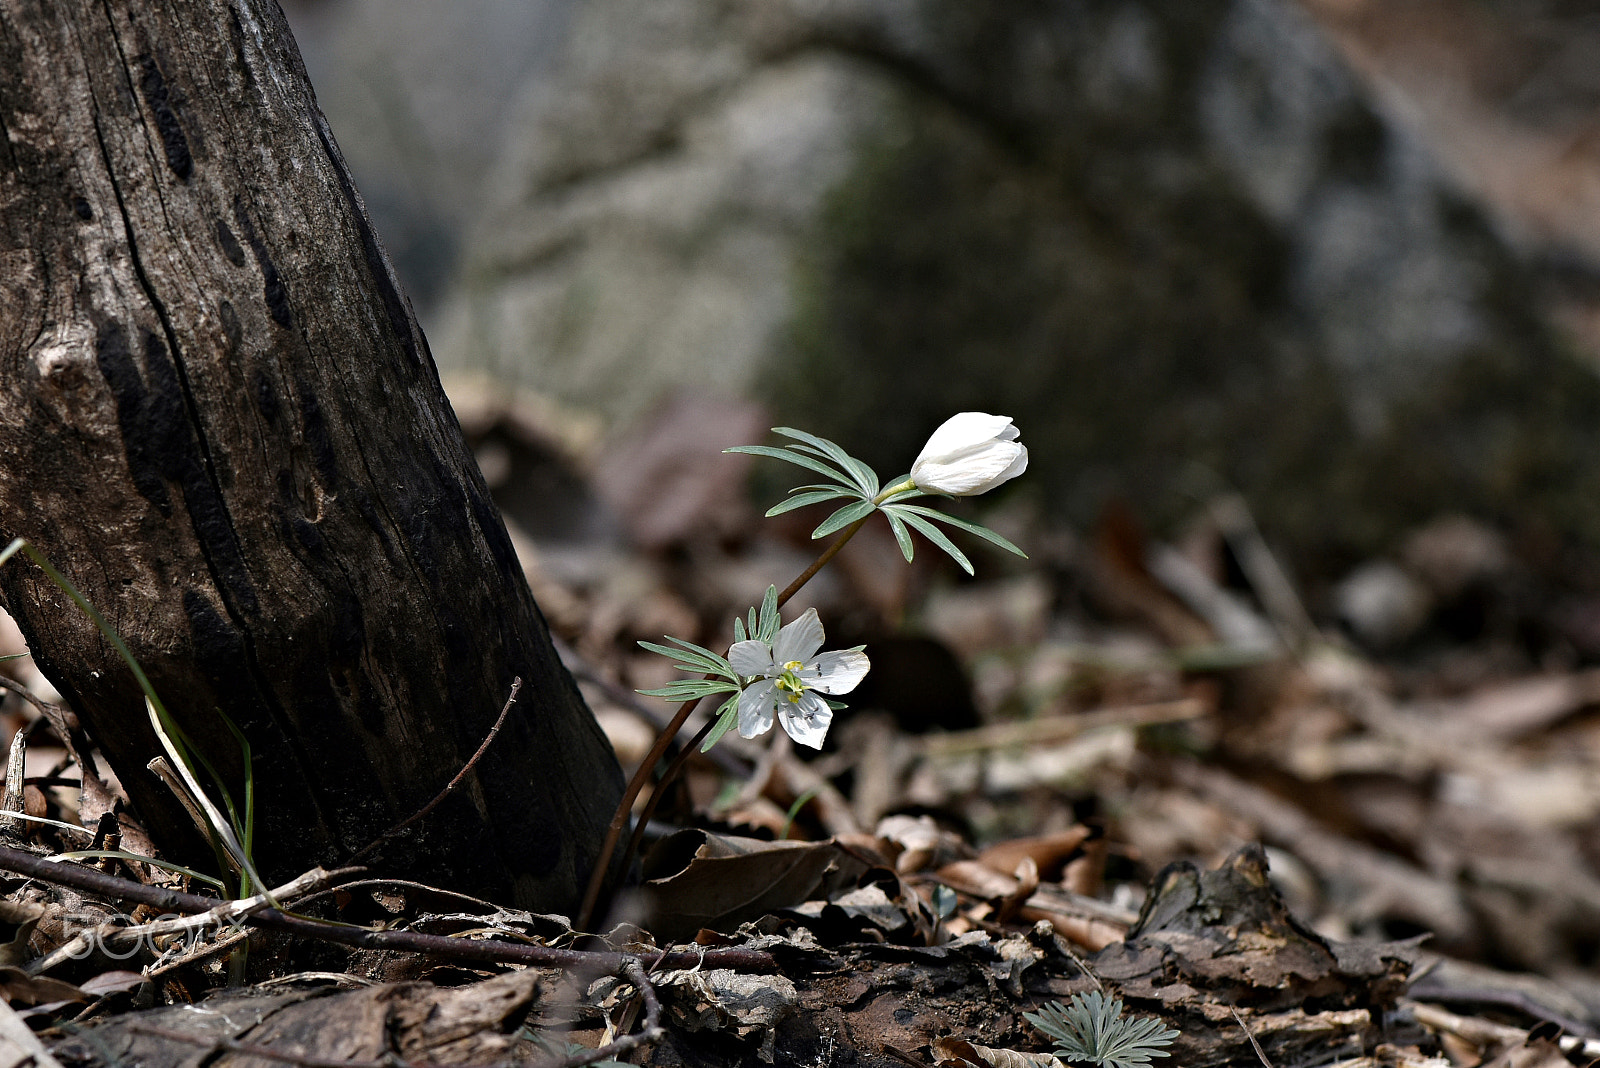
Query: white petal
x,y
798,640
806,721
974,472
1019,465
755,708
964,430
838,672
750,658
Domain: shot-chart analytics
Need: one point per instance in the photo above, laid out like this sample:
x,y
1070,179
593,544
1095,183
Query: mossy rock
x,y
1172,238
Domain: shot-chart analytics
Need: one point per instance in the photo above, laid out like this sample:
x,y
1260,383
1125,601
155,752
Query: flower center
x,y
789,683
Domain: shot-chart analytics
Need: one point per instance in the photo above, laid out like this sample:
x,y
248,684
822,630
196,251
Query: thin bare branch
x,y
459,949
516,684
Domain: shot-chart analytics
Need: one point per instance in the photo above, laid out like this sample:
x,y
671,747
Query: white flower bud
x,y
971,453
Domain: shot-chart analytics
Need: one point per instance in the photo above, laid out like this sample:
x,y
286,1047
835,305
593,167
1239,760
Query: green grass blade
x,y
160,718
106,629
121,854
220,826
248,831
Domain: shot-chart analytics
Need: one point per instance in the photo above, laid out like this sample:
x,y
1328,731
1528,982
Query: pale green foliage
x,y
762,626
851,480
1091,1027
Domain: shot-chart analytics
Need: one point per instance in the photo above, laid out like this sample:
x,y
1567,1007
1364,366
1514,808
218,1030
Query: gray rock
x,y
1171,238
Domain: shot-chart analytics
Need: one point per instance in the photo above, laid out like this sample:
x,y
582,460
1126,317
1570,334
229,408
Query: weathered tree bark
x,y
220,419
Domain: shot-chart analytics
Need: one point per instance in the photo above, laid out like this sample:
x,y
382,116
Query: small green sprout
x,y
1092,1028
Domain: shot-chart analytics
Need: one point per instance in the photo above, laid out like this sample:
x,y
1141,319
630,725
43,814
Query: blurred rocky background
x,y
1338,255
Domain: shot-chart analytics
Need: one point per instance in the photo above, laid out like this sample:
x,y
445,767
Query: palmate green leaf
x,y
727,716
1092,1028
865,477
794,456
971,528
692,689
813,497
843,518
692,657
932,533
699,651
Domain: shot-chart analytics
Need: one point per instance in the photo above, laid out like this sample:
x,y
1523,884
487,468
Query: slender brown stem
x,y
649,810
602,862
516,685
820,562
597,878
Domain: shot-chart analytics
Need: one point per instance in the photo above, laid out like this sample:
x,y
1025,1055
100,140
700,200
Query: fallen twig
x,y
48,711
460,949
1260,1053
1486,1032
516,684
226,912
651,1031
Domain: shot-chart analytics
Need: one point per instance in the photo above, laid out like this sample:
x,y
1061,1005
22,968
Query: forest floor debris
x,y
1161,770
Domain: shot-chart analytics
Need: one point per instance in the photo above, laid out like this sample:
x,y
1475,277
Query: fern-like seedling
x,y
1092,1028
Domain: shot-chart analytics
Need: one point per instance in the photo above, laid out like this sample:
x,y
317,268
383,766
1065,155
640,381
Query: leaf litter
x,y
1355,833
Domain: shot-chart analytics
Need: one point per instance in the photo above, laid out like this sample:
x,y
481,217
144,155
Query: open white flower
x,y
789,675
971,453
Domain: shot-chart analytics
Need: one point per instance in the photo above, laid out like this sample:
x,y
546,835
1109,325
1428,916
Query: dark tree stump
x,y
220,419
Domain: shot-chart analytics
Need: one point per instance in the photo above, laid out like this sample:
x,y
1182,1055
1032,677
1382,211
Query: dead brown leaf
x,y
695,879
